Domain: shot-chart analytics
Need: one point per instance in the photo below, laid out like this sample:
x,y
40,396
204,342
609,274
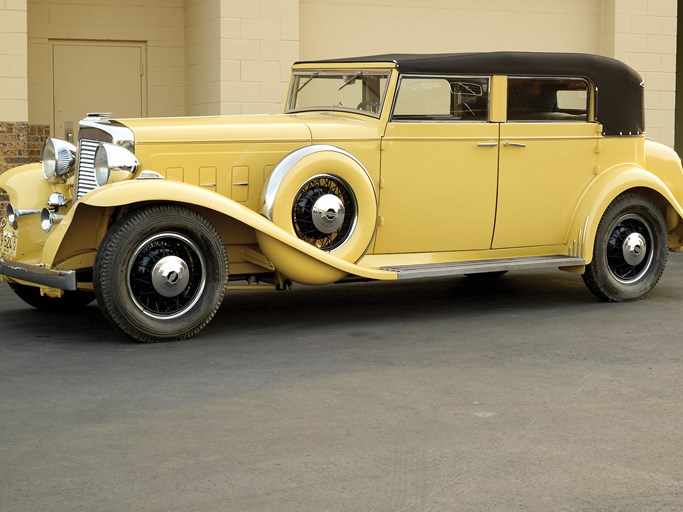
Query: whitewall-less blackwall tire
x,y
630,250
161,273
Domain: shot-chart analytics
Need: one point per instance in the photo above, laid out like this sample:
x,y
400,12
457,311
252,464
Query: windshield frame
x,y
301,77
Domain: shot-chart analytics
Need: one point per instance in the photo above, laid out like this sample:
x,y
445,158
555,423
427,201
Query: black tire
x,y
70,300
160,273
630,250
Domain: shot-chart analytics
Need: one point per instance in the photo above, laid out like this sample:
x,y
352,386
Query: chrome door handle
x,y
509,144
488,144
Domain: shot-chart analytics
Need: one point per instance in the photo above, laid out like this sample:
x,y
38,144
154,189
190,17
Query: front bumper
x,y
61,279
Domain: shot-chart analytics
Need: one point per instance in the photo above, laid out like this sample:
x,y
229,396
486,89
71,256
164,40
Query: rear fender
x,y
97,205
603,190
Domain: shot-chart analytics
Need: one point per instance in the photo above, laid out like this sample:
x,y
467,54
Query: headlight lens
x,y
110,158
101,166
58,158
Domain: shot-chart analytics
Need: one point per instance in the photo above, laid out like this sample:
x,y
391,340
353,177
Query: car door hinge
x,y
380,220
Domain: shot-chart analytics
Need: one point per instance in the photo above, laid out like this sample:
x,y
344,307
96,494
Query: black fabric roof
x,y
620,89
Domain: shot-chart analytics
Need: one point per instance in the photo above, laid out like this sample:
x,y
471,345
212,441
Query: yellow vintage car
x,y
380,168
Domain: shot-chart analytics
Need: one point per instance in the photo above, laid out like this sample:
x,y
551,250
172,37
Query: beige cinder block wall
x,y
202,57
259,41
239,53
642,33
160,24
13,61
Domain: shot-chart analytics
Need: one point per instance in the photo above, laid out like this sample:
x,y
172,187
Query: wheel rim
x,y
629,248
166,275
325,212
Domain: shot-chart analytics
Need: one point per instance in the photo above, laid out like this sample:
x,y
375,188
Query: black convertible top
x,y
619,106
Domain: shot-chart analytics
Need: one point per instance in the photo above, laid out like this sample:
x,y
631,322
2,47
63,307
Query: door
x,y
96,77
439,168
547,158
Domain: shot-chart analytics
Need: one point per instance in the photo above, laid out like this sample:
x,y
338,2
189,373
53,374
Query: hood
x,y
241,128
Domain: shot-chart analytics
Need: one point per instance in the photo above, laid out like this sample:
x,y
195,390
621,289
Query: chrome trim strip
x,y
478,267
61,279
281,170
118,134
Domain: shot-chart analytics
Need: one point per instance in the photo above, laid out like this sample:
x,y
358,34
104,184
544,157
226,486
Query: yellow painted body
x,y
446,192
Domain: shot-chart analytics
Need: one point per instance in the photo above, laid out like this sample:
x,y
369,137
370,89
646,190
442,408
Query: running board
x,y
481,266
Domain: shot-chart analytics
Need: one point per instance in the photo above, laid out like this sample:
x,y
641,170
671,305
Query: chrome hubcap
x,y
170,276
629,248
166,275
324,212
328,213
634,249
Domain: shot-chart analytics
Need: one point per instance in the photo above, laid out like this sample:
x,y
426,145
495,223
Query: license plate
x,y
8,245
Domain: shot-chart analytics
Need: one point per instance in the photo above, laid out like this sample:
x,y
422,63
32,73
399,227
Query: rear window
x,y
548,99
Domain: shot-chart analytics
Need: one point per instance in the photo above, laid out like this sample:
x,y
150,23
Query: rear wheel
x,y
630,250
161,273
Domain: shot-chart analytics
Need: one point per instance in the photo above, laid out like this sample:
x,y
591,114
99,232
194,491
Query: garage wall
x,y
160,23
13,61
642,33
335,28
202,56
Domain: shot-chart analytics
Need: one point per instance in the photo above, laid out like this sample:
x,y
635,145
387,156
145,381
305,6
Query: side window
x,y
548,99
442,99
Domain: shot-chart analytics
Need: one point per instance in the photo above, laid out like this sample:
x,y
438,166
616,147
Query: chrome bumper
x,y
62,279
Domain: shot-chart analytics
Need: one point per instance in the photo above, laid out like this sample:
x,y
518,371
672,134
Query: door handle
x,y
488,144
509,144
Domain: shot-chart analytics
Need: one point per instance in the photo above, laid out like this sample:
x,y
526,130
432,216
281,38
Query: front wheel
x,y
161,273
630,250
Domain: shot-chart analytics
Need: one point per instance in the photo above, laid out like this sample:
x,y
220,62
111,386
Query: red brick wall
x,y
20,143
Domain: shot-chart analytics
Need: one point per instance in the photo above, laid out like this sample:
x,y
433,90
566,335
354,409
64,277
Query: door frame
x,y
95,42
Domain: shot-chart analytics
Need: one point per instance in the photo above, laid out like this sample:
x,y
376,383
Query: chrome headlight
x,y
113,163
58,158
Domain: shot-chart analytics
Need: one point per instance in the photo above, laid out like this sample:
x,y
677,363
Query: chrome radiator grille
x,y
85,181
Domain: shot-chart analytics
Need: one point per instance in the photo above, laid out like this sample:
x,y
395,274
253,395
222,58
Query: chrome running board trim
x,y
481,266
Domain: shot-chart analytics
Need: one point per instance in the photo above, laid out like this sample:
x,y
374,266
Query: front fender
x,y
317,263
26,186
598,196
27,190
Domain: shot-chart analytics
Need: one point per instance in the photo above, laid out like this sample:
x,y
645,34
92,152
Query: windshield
x,y
360,91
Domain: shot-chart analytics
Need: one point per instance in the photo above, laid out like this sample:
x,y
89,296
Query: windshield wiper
x,y
352,79
314,75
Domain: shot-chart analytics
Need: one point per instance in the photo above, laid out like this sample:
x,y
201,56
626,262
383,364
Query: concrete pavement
x,y
525,393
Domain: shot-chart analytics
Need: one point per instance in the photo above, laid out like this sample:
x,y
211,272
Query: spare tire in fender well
x,y
324,196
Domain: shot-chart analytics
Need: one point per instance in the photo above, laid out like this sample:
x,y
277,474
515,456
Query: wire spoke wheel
x,y
324,212
629,248
166,275
160,273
